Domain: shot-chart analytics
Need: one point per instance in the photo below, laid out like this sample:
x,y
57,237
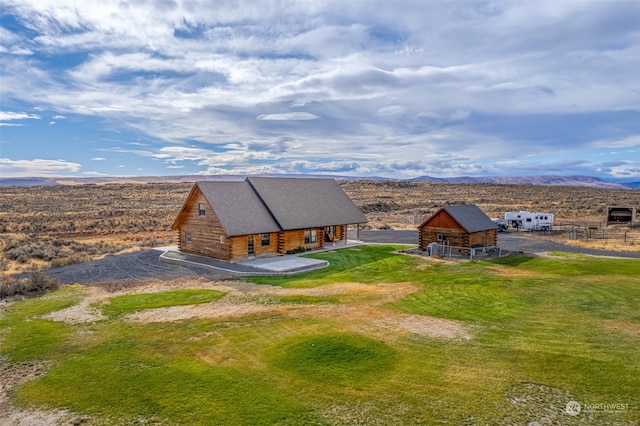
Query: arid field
x,y
49,226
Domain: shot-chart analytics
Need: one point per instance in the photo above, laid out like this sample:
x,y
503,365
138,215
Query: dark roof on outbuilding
x,y
260,204
468,216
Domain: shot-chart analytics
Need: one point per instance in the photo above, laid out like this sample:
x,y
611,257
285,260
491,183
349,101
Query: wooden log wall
x,y
293,239
454,237
486,238
458,237
207,235
239,246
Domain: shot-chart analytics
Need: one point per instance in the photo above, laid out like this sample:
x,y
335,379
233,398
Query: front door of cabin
x,y
250,246
330,233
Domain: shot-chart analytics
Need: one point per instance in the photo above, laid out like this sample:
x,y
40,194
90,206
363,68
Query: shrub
x,y
37,282
296,250
69,260
57,251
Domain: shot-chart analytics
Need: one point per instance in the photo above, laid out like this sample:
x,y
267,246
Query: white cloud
x,y
626,171
384,86
288,116
98,159
626,142
37,167
391,111
10,115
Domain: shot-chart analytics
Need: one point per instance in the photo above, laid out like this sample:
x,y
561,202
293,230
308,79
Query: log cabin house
x,y
460,226
260,216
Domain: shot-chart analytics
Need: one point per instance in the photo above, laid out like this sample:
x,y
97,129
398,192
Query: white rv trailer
x,y
530,221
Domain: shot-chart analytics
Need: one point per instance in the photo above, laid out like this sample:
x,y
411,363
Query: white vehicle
x,y
530,221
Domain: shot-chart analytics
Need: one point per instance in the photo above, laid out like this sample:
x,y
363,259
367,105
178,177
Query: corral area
x,y
53,226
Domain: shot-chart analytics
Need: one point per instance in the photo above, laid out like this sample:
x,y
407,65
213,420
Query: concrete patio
x,y
287,264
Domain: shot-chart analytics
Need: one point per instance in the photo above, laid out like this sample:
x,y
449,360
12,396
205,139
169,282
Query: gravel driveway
x,y
526,242
146,264
137,265
529,242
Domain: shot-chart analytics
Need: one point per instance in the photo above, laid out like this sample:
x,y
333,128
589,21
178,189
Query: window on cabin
x,y
310,236
201,209
442,237
266,239
187,237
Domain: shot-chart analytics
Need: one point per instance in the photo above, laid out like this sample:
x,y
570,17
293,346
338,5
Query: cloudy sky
x,y
387,88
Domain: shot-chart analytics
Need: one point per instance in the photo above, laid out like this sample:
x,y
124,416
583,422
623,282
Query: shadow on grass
x,y
512,260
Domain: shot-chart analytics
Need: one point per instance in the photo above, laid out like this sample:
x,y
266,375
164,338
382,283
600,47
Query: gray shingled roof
x,y
298,203
470,217
257,205
238,207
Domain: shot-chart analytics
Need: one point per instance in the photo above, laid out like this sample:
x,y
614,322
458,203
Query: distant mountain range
x,y
587,181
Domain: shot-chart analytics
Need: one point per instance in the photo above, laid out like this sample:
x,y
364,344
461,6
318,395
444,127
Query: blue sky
x,y
368,88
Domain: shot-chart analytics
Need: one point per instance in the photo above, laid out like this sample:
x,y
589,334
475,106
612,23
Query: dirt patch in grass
x,y
13,375
517,273
363,307
367,312
83,312
41,418
623,326
532,400
86,310
428,326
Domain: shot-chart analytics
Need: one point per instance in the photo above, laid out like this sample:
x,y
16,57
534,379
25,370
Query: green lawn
x,y
122,305
545,331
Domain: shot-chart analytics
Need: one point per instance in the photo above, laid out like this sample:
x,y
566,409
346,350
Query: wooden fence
x,y
595,231
578,230
626,237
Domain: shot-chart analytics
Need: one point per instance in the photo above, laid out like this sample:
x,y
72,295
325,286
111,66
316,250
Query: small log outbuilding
x,y
460,226
259,216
